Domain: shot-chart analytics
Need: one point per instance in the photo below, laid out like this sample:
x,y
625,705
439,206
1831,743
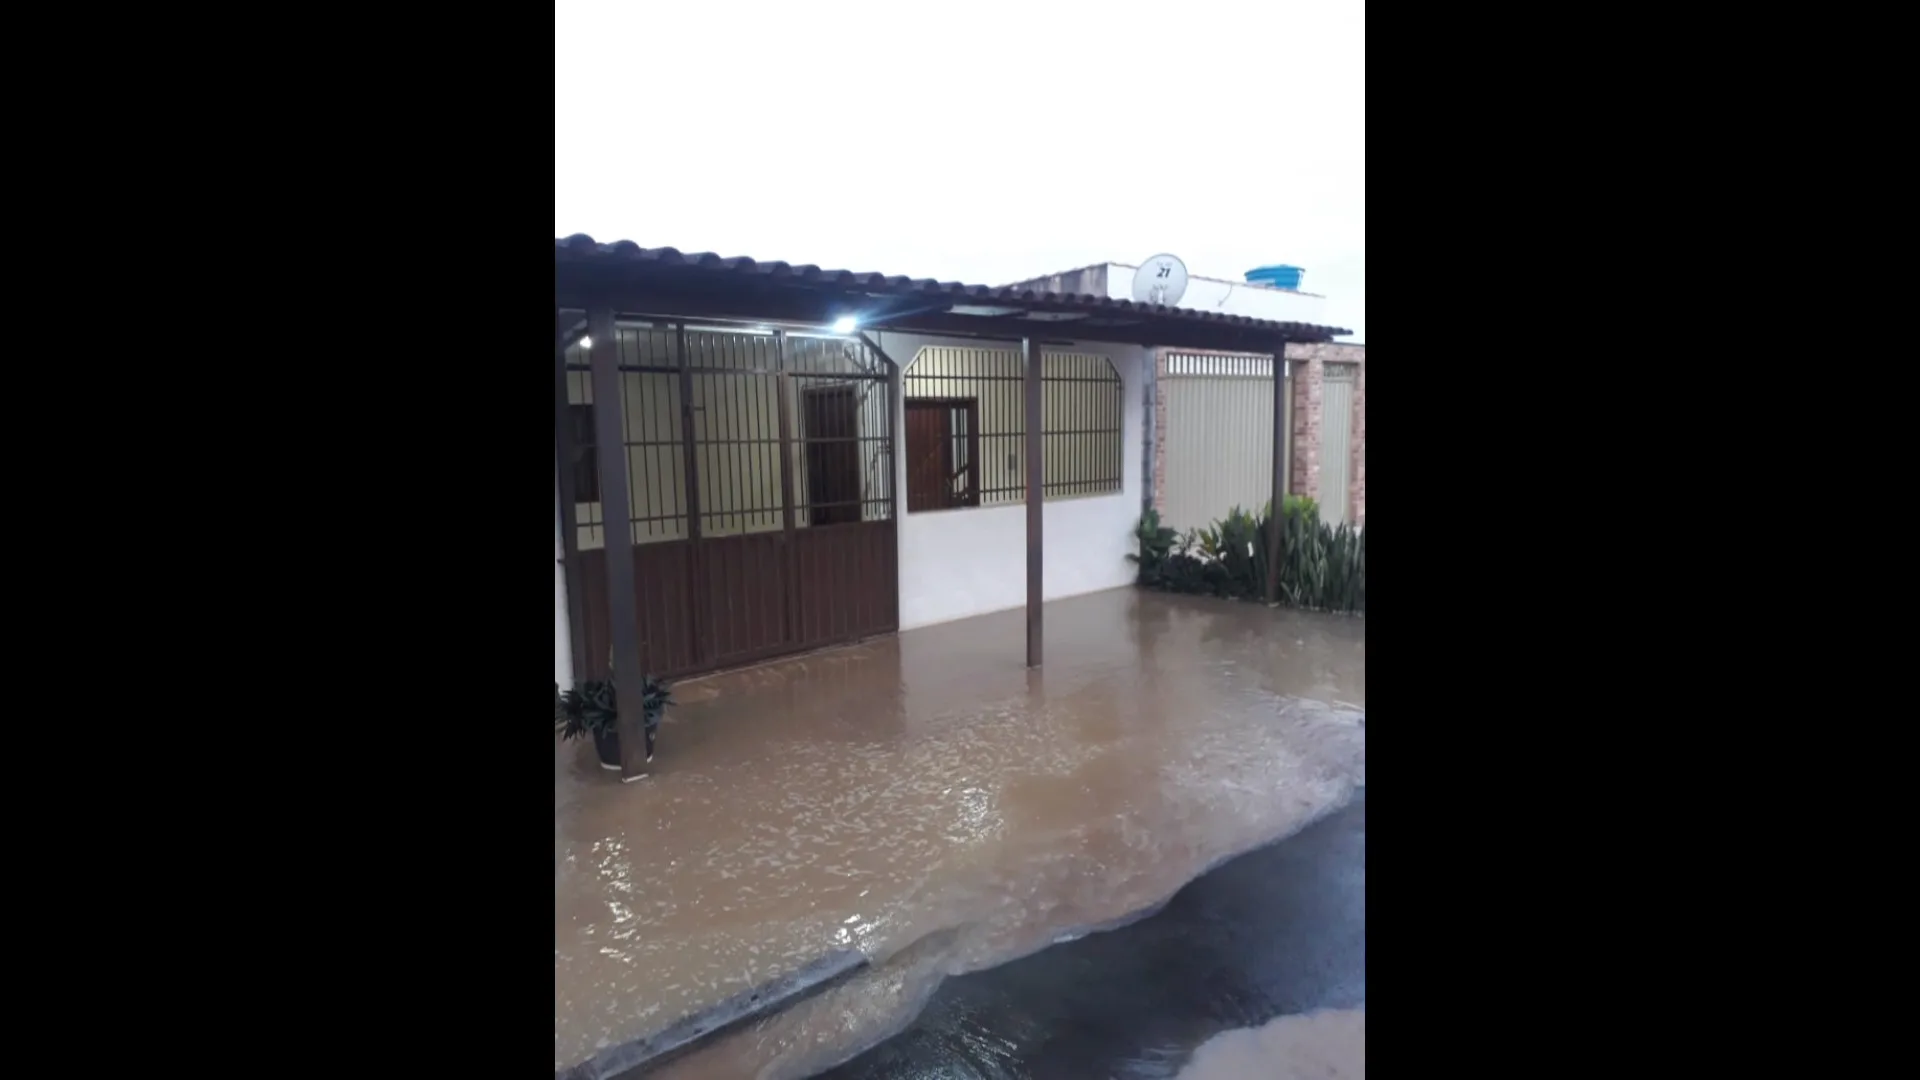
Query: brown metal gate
x,y
761,478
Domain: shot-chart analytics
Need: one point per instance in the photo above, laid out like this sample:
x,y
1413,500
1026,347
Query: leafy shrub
x,y
1321,567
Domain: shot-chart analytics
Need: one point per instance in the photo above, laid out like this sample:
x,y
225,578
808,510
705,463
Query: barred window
x,y
966,427
586,470
800,426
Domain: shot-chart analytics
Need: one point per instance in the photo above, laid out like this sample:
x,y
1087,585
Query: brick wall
x,y
1159,479
1359,473
1309,383
1309,380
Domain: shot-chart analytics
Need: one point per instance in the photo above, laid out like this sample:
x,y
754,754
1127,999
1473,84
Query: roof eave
x,y
706,285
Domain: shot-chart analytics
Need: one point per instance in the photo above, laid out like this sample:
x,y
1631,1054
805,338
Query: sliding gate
x,y
760,473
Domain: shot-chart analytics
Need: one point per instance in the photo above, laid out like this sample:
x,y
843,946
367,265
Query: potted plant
x,y
590,709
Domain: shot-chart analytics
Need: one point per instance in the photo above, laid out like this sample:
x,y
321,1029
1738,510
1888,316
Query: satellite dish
x,y
1160,280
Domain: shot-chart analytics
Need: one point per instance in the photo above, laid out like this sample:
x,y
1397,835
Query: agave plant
x,y
655,696
1262,554
1345,547
587,709
591,708
1321,566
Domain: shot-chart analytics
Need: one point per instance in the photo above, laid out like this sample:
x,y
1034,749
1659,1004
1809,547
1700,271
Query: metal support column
x,y
1030,351
564,453
616,513
896,406
689,447
1149,424
787,397
1282,437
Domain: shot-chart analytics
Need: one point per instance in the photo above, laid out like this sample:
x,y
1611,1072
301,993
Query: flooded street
x,y
927,801
1279,932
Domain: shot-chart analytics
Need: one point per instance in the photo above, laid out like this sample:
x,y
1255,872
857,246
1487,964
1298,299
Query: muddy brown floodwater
x,y
927,800
1327,1045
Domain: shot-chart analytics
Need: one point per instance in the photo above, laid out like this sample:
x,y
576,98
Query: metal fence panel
x,y
1336,447
1219,437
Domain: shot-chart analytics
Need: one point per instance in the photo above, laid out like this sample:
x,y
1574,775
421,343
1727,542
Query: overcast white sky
x,y
986,142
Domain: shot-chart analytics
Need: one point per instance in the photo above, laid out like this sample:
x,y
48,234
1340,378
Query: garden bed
x,y
1322,567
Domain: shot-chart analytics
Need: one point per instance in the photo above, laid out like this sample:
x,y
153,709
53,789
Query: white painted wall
x,y
562,633
1229,297
973,560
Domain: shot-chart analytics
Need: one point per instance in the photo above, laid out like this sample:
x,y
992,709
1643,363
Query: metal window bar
x,y
1083,415
843,463
650,407
736,431
737,402
1223,366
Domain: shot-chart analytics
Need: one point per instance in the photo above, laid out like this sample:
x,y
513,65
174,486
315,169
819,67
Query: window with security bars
x,y
730,432
965,434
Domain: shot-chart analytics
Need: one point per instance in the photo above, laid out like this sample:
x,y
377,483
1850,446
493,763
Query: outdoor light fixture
x,y
845,324
586,343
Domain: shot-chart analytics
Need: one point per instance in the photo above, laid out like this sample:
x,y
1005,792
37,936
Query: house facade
x,y
947,433
757,459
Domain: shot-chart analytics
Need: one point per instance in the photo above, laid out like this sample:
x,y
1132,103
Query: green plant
x,y
1321,567
1208,541
587,709
591,708
1238,536
1156,545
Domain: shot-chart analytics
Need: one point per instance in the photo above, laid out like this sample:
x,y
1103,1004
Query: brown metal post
x,y
896,404
896,491
691,474
1282,435
1030,351
1149,425
623,600
896,394
783,397
563,452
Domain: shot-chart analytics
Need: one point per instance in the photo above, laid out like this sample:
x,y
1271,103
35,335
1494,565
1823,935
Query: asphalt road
x,y
1277,931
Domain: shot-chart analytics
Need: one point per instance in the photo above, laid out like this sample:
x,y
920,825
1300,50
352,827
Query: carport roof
x,y
667,282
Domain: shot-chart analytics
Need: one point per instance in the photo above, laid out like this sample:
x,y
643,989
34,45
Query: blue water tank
x,y
1280,277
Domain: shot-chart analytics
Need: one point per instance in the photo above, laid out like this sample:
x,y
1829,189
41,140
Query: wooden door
x,y
928,448
943,450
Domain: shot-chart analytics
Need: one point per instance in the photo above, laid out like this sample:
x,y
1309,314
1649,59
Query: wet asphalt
x,y
1277,931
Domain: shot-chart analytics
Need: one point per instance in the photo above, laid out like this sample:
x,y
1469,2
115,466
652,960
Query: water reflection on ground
x,y
927,800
